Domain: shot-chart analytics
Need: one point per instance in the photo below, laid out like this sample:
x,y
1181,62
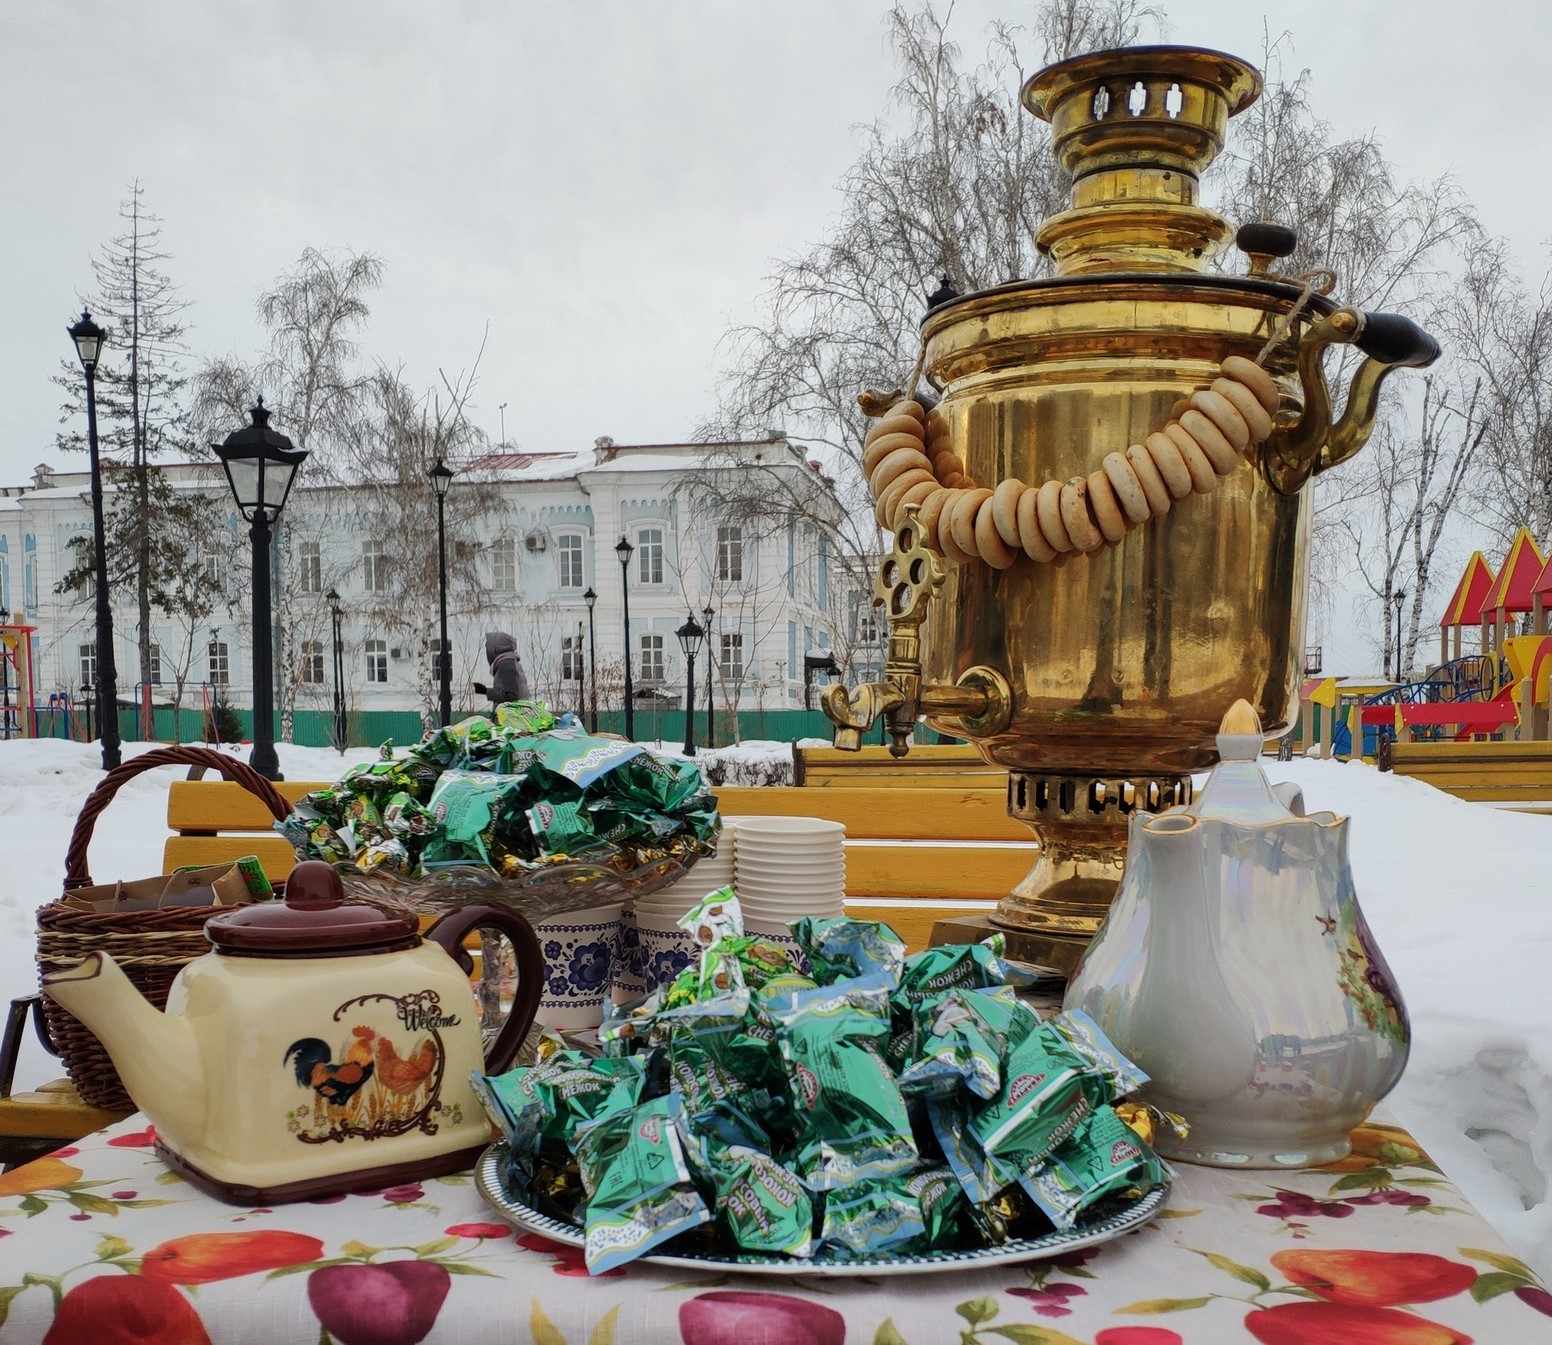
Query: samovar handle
x,y
1313,445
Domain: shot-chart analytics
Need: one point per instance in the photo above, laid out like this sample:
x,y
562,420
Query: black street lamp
x,y
88,338
624,550
260,466
441,478
1398,599
690,636
340,728
590,598
711,730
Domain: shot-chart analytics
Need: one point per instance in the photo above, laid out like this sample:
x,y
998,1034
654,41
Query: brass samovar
x,y
1099,681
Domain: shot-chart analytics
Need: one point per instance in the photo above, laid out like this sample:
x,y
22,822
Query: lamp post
x,y
690,636
340,729
88,338
441,478
623,549
590,598
711,727
260,466
1398,599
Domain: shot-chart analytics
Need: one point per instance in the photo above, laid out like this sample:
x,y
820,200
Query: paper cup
x,y
580,949
625,984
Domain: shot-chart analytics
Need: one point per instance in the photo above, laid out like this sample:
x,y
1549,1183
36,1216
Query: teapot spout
x,y
154,1053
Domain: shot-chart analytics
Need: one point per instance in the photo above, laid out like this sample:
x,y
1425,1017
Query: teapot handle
x,y
450,932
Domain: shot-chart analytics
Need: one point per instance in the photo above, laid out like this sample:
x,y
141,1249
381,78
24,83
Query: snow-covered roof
x,y
532,466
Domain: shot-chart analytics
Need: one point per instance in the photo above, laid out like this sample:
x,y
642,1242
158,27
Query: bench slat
x,y
885,813
921,870
882,812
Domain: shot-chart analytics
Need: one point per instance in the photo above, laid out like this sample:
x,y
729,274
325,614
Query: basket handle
x,y
77,874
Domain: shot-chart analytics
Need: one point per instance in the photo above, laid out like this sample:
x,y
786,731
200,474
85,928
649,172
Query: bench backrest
x,y
913,855
1502,772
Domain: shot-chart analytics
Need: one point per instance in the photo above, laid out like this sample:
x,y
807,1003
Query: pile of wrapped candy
x,y
521,789
881,1104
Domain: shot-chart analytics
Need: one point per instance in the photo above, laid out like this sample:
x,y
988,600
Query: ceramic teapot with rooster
x,y
320,1047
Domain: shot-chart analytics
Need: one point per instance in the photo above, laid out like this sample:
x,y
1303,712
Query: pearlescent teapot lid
x,y
314,920
1238,790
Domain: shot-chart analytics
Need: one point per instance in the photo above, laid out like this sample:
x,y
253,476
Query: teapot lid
x,y
314,920
1238,790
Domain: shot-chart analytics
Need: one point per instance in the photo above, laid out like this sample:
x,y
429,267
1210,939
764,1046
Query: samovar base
x,y
1080,821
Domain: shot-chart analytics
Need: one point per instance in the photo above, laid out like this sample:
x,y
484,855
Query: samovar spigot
x,y
981,700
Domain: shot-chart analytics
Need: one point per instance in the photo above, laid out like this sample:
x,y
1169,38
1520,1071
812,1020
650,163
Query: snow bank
x,y
1459,896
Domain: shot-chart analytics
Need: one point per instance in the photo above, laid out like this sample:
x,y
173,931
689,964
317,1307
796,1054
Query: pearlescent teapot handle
x,y
450,932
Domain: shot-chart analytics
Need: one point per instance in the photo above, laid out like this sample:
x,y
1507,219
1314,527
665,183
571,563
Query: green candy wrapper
x,y
1104,1157
970,1033
561,828
639,1191
1111,1074
852,1122
404,817
841,948
715,917
759,1204
917,1211
464,804
1039,1104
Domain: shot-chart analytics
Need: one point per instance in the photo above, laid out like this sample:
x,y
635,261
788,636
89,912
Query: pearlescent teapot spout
x,y
155,1053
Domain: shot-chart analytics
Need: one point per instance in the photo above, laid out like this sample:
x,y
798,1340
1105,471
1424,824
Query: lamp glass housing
x,y
260,466
690,636
589,597
441,478
88,338
624,550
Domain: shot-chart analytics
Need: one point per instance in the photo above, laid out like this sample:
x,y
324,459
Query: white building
x,y
543,533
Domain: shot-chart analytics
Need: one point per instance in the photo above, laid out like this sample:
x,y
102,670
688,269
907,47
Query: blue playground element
x,y
1469,678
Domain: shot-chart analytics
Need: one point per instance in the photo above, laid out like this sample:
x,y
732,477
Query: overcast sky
x,y
603,183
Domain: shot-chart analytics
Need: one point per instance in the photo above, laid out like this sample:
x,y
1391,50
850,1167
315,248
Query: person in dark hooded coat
x,y
508,680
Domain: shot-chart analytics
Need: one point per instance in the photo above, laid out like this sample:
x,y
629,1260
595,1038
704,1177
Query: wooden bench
x,y
915,853
957,766
1512,775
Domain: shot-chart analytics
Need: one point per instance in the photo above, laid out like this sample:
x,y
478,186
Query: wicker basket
x,y
151,946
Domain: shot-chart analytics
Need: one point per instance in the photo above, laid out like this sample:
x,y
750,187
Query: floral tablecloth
x,y
99,1243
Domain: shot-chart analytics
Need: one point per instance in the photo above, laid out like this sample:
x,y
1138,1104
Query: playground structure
x,y
17,694
1499,693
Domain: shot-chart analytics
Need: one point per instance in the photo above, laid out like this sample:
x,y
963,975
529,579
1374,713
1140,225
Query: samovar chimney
x,y
1136,129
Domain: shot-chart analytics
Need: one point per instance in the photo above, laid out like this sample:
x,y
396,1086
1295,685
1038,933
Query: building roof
x,y
1511,591
1465,605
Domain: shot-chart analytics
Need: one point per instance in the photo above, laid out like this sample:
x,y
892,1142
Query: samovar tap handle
x,y
1312,445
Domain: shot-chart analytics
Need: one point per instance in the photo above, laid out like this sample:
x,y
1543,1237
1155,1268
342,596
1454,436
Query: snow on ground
x,y
1459,897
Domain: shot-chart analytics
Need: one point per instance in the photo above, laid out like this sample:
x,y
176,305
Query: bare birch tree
x,y
1504,329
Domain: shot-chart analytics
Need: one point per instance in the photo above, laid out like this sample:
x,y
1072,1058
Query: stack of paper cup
x,y
662,948
786,868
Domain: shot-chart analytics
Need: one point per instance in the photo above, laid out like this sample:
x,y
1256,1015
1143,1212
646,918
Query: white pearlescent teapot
x,y
320,1047
1237,970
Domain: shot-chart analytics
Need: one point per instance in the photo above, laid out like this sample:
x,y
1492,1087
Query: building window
x,y
218,664
214,566
649,554
652,668
312,662
156,665
376,660
30,582
310,564
571,658
503,565
374,568
88,656
732,657
568,548
867,628
730,555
